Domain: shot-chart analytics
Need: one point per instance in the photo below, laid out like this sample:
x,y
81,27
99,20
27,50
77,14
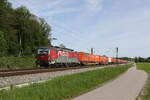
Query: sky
x,y
99,24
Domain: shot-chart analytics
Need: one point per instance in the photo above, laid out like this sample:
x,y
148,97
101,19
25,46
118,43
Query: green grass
x,y
145,67
17,62
1,86
64,87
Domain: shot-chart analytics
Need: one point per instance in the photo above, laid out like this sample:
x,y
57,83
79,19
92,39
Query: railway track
x,y
16,72
11,70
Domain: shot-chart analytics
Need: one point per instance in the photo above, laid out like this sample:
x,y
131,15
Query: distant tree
x,y
3,44
148,59
127,58
22,14
141,59
23,31
136,59
104,55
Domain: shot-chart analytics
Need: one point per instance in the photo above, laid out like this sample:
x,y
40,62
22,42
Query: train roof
x,y
57,47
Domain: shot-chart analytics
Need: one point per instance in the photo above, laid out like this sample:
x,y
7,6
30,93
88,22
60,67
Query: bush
x,y
17,62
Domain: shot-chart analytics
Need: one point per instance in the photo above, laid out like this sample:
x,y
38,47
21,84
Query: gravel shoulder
x,y
33,78
125,87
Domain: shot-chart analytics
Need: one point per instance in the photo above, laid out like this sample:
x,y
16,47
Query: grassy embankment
x,y
17,62
64,87
1,86
146,92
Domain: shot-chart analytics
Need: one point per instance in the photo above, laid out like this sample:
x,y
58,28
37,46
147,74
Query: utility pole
x,y
117,50
92,50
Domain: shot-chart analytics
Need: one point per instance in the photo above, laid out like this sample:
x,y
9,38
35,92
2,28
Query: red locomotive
x,y
55,56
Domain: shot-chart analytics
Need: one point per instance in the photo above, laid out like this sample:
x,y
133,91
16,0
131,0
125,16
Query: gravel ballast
x,y
14,80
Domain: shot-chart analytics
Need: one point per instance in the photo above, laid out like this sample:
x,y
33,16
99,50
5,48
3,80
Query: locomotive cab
x,y
43,51
43,56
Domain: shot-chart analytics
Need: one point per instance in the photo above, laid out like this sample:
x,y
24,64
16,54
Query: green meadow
x,y
65,87
146,68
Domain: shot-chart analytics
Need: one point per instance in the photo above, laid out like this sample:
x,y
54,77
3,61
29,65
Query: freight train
x,y
57,56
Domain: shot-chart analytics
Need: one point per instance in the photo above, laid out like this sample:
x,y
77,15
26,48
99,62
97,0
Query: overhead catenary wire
x,y
71,33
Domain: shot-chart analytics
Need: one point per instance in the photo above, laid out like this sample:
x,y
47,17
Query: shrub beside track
x,y
64,87
17,62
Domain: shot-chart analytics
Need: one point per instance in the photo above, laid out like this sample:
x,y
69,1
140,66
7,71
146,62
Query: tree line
x,y
141,59
21,32
136,59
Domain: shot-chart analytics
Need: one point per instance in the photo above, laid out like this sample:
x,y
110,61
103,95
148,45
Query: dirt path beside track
x,y
125,87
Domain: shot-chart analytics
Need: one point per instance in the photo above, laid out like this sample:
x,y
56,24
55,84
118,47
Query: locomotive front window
x,y
43,51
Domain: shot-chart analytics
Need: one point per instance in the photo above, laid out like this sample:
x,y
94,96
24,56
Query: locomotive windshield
x,y
43,51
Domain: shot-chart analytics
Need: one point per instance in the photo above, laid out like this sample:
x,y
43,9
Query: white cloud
x,y
95,5
63,11
41,7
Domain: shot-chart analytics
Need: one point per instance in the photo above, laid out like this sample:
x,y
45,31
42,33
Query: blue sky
x,y
100,24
